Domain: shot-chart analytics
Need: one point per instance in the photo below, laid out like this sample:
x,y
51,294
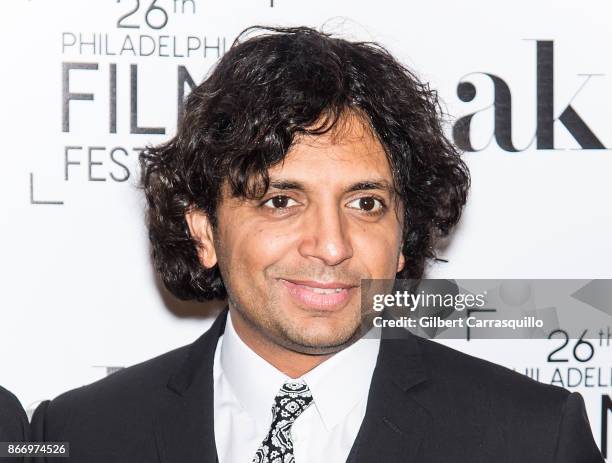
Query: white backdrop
x,y
78,293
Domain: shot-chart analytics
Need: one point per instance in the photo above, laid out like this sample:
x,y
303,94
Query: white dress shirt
x,y
245,386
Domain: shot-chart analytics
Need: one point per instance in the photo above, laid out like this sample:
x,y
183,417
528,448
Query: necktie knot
x,y
292,399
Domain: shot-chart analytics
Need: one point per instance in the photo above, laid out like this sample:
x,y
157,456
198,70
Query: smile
x,y
320,296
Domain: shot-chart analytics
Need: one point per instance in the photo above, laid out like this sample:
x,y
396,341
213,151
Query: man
x,y
14,426
303,164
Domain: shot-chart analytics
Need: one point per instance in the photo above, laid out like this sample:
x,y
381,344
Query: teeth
x,y
324,290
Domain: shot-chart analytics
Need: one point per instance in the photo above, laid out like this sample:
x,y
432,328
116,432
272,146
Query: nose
x,y
325,235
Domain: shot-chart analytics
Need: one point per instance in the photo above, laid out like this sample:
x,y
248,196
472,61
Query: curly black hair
x,y
243,118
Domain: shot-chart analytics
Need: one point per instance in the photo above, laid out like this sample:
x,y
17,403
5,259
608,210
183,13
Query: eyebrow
x,y
374,184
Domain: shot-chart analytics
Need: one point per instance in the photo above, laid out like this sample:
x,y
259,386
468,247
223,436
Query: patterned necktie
x,y
292,399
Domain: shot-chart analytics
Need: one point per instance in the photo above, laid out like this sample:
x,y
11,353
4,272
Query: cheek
x,y
255,248
378,250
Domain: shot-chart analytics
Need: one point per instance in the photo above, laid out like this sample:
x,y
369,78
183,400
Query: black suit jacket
x,y
14,426
427,403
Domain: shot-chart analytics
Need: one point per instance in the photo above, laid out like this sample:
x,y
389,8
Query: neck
x,y
293,364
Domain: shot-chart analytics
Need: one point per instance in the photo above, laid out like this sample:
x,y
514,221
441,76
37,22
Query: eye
x,y
279,202
368,204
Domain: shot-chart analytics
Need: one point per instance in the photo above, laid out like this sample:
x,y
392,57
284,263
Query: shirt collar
x,y
252,379
343,380
337,384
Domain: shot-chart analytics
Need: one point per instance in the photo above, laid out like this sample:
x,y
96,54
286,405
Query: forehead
x,y
348,152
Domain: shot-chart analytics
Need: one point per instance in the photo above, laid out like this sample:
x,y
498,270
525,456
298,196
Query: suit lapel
x,y
395,423
185,421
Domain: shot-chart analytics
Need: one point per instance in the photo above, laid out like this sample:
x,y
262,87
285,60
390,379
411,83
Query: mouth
x,y
318,295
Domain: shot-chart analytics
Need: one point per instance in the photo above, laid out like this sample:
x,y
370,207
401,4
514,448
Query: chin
x,y
322,333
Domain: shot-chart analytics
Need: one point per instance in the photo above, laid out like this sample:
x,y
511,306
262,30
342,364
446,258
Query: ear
x,y
201,230
401,262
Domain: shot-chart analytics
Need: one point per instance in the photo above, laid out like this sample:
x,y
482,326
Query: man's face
x,y
292,262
